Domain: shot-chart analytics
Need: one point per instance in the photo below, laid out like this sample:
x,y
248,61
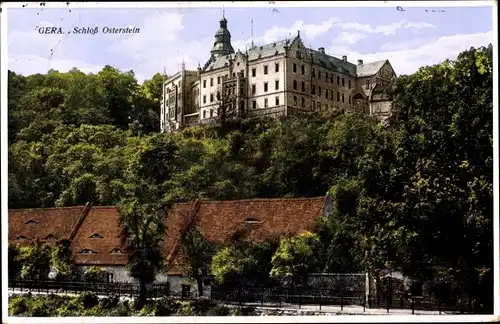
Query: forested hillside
x,y
417,192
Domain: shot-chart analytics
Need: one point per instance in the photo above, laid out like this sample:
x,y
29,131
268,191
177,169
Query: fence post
x,y
262,299
364,303
342,300
412,306
300,295
439,303
388,304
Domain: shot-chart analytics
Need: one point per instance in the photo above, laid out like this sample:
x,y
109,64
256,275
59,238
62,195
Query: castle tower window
x,y
303,87
276,85
277,67
343,84
211,97
294,68
211,82
265,103
265,86
204,99
342,98
265,69
204,83
218,80
254,88
303,69
313,89
254,72
294,84
338,80
338,96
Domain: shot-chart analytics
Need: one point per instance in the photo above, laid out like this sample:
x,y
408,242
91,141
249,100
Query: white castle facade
x,y
277,79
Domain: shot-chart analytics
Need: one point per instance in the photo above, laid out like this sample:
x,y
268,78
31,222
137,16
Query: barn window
x,y
21,237
87,251
116,251
31,221
96,235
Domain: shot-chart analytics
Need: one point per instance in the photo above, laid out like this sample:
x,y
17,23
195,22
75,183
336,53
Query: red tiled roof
x,y
220,220
103,221
41,223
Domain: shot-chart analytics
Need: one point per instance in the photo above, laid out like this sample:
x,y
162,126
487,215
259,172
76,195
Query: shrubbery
x,y
88,304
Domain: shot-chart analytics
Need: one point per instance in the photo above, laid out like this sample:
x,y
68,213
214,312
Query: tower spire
x,y
251,25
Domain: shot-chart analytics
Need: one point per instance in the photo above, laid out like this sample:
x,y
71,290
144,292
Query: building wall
x,y
271,101
298,79
209,85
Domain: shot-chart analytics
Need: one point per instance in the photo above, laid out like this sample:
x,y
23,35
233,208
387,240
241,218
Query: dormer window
x,y
96,236
116,251
50,237
31,221
87,251
21,237
251,221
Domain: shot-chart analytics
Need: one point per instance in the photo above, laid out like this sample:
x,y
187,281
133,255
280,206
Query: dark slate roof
x,y
369,69
332,63
268,50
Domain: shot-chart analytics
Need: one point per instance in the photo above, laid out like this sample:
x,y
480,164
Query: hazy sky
x,y
409,39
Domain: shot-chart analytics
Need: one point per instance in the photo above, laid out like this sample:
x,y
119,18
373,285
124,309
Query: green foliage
x,y
95,274
36,260
15,266
293,257
61,259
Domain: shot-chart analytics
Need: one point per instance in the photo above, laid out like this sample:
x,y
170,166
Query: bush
x,y
202,305
167,307
244,311
17,306
218,310
89,300
109,302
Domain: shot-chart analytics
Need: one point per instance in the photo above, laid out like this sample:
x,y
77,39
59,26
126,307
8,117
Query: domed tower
x,y
222,44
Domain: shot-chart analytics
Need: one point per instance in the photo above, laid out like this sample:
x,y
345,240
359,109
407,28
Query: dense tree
x,y
413,195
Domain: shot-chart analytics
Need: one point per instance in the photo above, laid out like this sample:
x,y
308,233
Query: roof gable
x,y
369,69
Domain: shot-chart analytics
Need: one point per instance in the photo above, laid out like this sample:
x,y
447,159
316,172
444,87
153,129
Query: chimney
x,y
360,62
344,58
321,50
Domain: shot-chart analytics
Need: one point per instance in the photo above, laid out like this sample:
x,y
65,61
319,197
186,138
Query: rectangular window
x,y
254,104
294,84
254,88
350,100
265,86
303,69
277,100
211,82
204,83
277,67
204,114
349,84
211,112
265,69
313,105
319,75
338,80
319,91
294,68
367,84
265,103
343,84
313,89
211,97
276,85
218,80
313,73
204,99
338,96
331,95
342,98
303,87
326,93
295,100
303,102
254,72
331,78
319,105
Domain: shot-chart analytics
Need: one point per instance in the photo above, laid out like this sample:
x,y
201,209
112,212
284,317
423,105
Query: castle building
x,y
277,79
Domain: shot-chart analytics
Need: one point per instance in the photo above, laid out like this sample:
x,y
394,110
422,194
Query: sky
x,y
410,37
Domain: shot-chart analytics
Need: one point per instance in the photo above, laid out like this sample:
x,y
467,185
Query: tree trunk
x,y
199,280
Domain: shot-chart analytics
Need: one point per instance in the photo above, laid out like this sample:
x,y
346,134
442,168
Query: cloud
x,y
349,38
405,45
389,29
407,60
276,33
27,64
